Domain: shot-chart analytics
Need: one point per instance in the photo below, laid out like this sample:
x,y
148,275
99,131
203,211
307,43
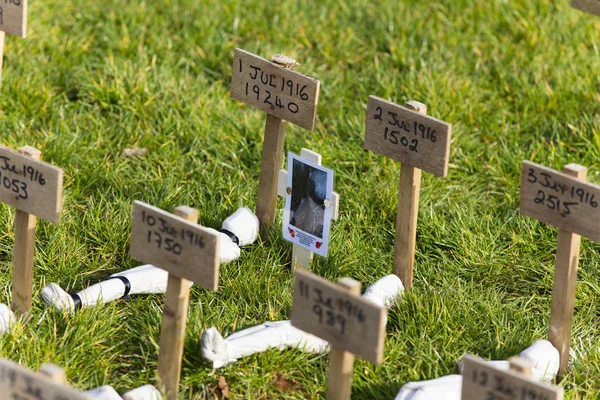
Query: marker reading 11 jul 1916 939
x,y
338,314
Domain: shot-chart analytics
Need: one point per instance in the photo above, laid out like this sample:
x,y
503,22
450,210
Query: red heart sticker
x,y
292,233
318,245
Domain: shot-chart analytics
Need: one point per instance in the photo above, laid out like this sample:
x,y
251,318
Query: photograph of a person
x,y
307,215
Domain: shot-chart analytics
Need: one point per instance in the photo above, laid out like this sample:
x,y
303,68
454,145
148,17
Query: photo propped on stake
x,y
308,212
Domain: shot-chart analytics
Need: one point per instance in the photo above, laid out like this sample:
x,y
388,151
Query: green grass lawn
x,y
518,80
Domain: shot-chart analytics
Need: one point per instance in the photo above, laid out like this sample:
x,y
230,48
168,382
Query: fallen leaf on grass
x,y
284,384
135,152
222,389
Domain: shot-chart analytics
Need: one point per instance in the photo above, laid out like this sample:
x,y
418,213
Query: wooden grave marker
x,y
338,314
285,95
568,202
419,142
189,252
13,20
302,257
588,6
34,188
481,381
18,382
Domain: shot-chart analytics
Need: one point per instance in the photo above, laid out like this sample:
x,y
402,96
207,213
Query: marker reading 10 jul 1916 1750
x,y
34,188
568,202
189,252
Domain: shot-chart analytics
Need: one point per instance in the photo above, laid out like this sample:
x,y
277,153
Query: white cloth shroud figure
x,y
542,354
146,392
7,318
281,334
239,229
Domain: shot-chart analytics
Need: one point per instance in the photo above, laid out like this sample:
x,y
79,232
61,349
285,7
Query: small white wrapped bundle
x,y
7,318
240,227
545,358
146,392
447,387
104,393
281,334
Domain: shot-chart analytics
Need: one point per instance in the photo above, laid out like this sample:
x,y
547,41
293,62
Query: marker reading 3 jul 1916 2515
x,y
568,202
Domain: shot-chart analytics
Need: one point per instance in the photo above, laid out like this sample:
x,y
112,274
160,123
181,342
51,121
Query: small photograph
x,y
307,214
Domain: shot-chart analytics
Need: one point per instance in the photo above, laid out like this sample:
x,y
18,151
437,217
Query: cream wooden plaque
x,y
347,321
13,17
281,92
560,200
484,382
182,248
30,185
408,136
20,383
588,6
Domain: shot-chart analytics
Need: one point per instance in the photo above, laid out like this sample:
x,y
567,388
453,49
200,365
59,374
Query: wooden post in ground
x,y
285,95
13,20
34,188
189,253
338,314
18,382
419,142
482,381
301,257
567,201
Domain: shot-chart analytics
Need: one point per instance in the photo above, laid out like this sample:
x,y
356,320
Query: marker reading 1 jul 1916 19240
x,y
419,142
189,252
568,202
34,188
285,95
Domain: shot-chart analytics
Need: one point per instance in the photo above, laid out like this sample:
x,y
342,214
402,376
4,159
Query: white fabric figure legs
x,y
146,392
282,334
6,318
542,354
239,229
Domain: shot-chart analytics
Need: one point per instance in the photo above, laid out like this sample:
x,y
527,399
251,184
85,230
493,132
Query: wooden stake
x,y
2,34
172,336
521,365
272,159
406,217
54,372
339,380
23,252
565,282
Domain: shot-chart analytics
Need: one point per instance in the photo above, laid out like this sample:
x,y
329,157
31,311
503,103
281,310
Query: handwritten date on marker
x,y
182,248
30,185
588,6
278,91
560,200
18,382
483,382
347,321
13,17
407,136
